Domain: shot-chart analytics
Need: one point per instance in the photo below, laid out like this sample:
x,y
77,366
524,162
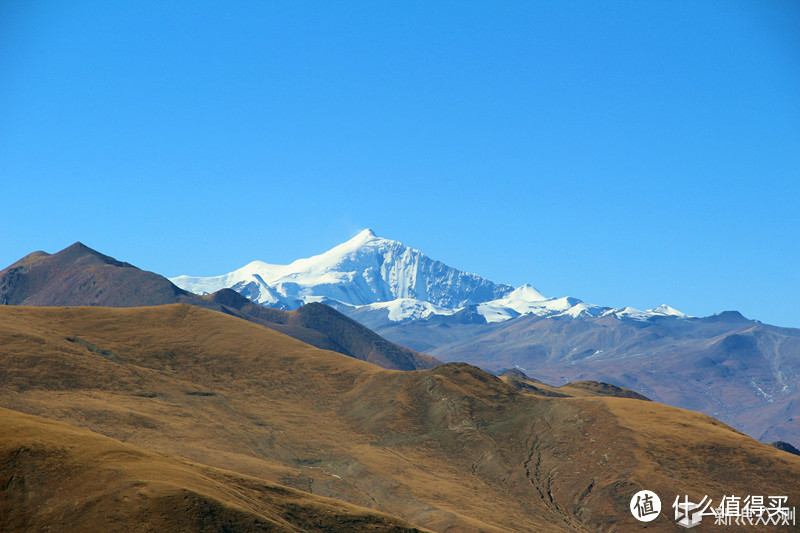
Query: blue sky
x,y
626,153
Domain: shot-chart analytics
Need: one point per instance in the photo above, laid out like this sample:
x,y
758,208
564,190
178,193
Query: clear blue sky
x,y
626,153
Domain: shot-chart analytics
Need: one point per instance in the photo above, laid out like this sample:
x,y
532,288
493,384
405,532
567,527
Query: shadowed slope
x,y
452,449
328,329
56,477
785,446
80,276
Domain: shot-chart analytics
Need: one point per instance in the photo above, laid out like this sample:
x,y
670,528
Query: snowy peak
x,y
526,293
666,310
364,270
373,274
363,236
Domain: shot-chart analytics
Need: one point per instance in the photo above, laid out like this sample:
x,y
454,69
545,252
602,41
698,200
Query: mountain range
x,y
178,417
740,370
371,274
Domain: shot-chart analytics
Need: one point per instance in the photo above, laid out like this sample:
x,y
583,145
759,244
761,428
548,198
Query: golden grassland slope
x,y
450,449
80,276
56,477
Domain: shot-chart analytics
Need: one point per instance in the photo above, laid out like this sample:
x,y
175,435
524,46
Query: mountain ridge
x,y
80,276
365,269
725,365
391,280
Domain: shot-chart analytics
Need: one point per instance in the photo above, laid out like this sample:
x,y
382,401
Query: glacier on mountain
x,y
370,274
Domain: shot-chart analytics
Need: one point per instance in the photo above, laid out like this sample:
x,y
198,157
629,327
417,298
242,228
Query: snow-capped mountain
x,y
527,300
364,270
378,276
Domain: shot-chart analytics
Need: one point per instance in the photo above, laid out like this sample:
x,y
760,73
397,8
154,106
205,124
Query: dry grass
x,y
56,477
450,449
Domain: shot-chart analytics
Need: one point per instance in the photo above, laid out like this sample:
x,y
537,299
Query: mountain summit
x,y
389,281
365,270
79,275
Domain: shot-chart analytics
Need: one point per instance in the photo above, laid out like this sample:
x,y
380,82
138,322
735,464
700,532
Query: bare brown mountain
x,y
450,449
80,276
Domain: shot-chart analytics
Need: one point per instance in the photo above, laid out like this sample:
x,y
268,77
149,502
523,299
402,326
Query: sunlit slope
x,y
451,449
57,477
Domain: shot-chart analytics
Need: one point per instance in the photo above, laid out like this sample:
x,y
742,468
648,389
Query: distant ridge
x,y
785,446
81,276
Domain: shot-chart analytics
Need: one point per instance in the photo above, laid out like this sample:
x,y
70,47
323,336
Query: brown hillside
x,y
56,477
80,276
451,449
